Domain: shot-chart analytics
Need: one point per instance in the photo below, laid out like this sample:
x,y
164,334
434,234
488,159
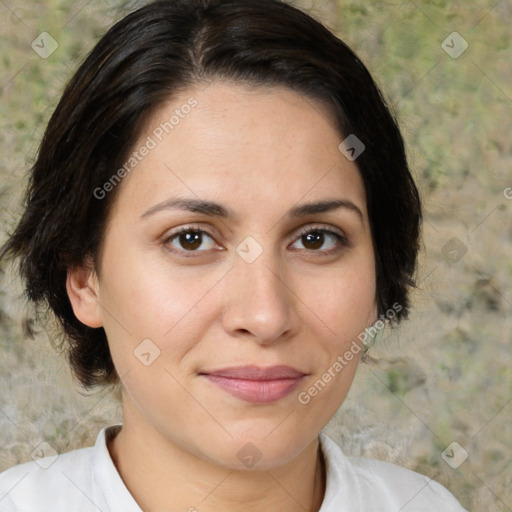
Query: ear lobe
x,y
83,292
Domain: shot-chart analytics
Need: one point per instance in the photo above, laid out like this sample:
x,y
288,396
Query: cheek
x,y
343,299
345,307
143,296
148,299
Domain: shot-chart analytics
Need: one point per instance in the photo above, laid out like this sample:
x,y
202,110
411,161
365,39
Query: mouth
x,y
255,384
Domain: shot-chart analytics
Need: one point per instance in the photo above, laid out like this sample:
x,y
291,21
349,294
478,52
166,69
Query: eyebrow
x,y
213,209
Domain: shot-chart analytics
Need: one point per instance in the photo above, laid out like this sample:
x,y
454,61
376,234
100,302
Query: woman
x,y
220,209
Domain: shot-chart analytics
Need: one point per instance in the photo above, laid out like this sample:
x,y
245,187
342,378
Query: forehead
x,y
243,144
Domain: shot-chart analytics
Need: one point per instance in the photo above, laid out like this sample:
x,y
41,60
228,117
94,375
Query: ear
x,y
83,292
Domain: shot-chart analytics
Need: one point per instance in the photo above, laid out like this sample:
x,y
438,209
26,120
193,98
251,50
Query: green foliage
x,y
441,102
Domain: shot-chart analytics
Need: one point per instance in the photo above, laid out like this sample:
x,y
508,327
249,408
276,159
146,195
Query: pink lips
x,y
256,384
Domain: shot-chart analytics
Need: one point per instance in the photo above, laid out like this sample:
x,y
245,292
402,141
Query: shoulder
x,y
84,480
379,485
45,483
411,490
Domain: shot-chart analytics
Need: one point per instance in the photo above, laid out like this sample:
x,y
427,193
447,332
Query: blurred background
x,y
436,396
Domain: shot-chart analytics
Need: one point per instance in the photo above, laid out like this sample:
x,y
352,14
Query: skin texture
x,y
259,152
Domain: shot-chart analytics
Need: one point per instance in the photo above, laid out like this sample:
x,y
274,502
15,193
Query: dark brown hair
x,y
144,60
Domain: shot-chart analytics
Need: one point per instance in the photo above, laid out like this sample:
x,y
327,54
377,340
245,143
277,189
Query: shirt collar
x,y
341,487
107,479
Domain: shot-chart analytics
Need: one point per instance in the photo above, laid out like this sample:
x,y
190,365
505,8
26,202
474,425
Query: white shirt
x,y
86,480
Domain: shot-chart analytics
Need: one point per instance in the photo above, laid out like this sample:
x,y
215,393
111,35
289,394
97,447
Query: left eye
x,y
315,239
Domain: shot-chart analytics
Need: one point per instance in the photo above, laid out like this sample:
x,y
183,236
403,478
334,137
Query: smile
x,y
257,385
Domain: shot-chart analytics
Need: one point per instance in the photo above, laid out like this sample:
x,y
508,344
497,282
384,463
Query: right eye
x,y
188,240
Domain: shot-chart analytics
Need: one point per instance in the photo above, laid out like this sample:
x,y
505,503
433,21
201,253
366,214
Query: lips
x,y
256,384
253,372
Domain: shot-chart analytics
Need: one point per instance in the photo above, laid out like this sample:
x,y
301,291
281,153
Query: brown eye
x,y
313,240
324,241
190,240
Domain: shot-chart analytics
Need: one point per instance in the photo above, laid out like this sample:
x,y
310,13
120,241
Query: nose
x,y
259,301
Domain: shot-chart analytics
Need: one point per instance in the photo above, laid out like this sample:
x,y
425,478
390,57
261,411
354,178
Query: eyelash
x,y
342,241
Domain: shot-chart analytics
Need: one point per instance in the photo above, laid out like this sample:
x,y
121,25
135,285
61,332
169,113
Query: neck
x,y
158,472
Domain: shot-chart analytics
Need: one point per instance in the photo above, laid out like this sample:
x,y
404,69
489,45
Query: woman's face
x,y
254,289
